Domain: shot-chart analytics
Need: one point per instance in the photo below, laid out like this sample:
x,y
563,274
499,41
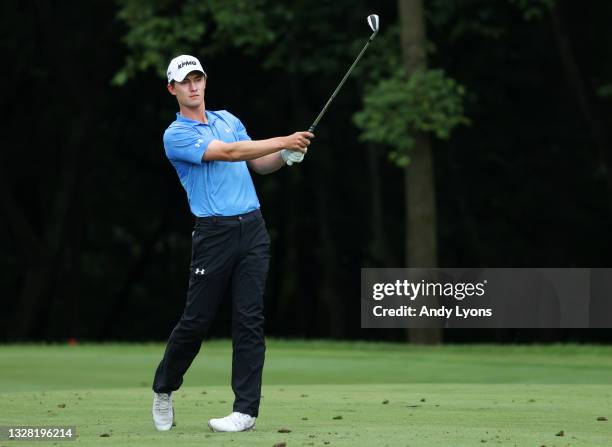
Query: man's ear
x,y
171,89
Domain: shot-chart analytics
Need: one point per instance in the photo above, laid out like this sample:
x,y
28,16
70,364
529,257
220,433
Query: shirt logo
x,y
227,129
200,271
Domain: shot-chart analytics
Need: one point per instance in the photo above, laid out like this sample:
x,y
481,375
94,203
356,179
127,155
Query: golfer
x,y
212,153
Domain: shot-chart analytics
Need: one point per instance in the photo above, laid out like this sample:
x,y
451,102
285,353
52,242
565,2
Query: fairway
x,y
325,393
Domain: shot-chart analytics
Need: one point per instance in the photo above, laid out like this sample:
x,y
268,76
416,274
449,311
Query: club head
x,y
374,23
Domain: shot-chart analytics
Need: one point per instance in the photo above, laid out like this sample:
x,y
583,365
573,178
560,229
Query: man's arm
x,y
251,149
267,164
273,162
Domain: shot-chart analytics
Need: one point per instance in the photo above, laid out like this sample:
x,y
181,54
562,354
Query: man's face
x,y
190,91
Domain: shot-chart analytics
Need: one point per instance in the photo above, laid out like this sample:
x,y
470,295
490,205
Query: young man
x,y
211,153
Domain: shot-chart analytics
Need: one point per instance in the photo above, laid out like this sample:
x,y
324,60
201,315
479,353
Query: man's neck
x,y
195,113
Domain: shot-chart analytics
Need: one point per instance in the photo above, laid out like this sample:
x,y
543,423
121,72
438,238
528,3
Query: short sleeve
x,y
239,128
185,144
241,131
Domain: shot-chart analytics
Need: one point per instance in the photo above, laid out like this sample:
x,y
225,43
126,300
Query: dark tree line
x,y
95,226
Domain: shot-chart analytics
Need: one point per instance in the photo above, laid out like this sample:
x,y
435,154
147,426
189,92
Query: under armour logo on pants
x,y
200,271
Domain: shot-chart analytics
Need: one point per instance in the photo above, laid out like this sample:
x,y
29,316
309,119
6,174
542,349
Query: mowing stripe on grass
x,y
47,367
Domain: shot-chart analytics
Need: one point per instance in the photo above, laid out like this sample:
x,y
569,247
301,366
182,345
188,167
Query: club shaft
x,y
316,121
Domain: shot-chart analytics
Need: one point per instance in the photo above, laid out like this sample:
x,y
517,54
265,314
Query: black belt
x,y
238,217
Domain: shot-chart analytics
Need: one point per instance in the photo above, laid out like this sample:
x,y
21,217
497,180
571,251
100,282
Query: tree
x,y
420,196
401,111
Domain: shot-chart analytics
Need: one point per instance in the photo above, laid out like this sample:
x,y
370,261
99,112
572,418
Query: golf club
x,y
374,23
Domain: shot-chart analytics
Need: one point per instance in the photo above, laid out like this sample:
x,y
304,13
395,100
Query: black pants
x,y
228,254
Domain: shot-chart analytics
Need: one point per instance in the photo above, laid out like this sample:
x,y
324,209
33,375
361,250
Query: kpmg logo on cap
x,y
182,64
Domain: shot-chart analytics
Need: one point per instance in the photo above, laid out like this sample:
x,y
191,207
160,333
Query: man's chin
x,y
193,104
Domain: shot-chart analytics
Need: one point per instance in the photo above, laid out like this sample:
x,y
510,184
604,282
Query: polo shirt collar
x,y
209,115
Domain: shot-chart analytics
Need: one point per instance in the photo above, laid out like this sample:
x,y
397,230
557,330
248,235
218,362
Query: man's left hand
x,y
291,157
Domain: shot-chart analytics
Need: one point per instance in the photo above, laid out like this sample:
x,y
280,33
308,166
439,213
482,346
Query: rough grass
x,y
325,393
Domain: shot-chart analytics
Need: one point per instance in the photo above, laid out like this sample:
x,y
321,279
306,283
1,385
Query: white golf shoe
x,y
163,411
232,423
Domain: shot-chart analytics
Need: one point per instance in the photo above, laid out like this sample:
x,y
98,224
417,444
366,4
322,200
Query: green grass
x,y
435,396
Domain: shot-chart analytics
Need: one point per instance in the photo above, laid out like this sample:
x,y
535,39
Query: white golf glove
x,y
291,157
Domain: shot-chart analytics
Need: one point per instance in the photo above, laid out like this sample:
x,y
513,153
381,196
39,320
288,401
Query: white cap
x,y
181,66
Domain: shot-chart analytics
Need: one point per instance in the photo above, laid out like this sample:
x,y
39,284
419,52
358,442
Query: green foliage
x,y
466,17
396,107
298,38
483,18
158,31
605,91
383,57
533,9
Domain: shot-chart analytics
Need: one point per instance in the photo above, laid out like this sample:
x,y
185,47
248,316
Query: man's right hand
x,y
298,141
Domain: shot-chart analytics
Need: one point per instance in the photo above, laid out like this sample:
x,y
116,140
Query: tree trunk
x,y
421,249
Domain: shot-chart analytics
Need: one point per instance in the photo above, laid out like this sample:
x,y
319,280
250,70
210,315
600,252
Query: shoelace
x,y
162,402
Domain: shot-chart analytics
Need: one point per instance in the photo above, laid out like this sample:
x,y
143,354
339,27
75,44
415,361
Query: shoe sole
x,y
217,431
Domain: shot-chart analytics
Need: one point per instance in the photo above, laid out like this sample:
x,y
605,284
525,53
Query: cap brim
x,y
182,75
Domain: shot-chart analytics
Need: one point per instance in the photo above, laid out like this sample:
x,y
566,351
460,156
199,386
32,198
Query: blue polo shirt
x,y
214,188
